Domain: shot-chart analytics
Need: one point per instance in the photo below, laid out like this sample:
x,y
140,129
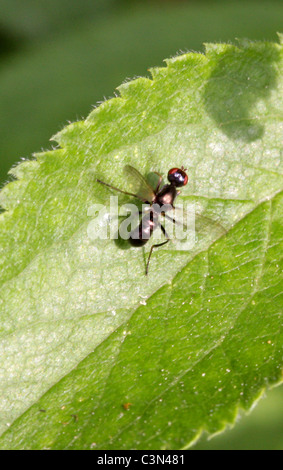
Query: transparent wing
x,y
138,184
202,224
205,224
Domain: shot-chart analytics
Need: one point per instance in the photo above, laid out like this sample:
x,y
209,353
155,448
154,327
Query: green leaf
x,y
117,359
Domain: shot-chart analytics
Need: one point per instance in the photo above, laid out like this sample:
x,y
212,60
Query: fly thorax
x,y
166,197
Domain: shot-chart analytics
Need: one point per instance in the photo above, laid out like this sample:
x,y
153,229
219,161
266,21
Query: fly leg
x,y
123,192
177,222
171,218
156,246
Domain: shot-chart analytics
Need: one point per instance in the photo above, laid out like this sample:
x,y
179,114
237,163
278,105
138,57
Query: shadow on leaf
x,y
241,79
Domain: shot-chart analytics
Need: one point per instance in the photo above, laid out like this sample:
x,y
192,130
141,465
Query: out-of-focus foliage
x,y
64,59
262,429
39,18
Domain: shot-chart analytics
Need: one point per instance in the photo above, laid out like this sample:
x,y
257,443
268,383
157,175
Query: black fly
x,y
160,197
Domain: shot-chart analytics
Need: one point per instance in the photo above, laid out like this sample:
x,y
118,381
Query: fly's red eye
x,y
178,177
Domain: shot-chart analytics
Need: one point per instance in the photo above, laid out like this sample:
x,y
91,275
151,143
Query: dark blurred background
x,y
60,57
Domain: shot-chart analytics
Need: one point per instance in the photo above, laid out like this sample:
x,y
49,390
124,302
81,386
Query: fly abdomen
x,y
142,233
